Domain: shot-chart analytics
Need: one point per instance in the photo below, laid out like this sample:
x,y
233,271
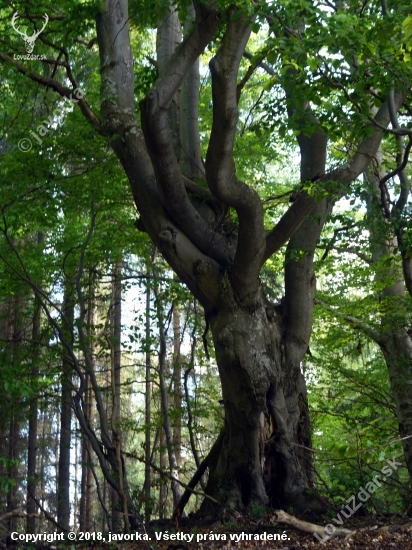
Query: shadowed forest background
x,y
205,260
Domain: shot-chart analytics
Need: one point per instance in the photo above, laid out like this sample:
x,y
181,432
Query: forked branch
x,y
220,169
159,142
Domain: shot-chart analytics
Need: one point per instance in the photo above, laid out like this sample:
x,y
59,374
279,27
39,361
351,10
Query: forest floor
x,y
372,533
367,533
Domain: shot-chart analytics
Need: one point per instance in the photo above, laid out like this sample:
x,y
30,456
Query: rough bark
x,y
259,460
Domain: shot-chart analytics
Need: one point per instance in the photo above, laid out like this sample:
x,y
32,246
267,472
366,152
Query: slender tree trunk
x,y
13,470
163,466
89,473
396,347
105,503
86,498
14,433
32,435
83,482
167,424
190,427
393,336
6,335
63,482
42,460
33,420
115,382
75,490
177,386
148,418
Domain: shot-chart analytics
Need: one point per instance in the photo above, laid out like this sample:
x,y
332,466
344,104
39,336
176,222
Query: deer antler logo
x,y
29,40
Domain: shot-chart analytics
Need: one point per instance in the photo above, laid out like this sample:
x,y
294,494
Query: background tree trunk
x,y
162,482
87,482
63,481
119,499
167,424
32,435
148,417
32,476
393,336
177,386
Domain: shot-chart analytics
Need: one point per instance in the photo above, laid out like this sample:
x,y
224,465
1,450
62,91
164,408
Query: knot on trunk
x,y
166,235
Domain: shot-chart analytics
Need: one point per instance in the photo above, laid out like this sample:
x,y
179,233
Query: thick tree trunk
x,y
259,461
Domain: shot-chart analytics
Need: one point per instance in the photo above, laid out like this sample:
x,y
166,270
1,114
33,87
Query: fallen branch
x,y
17,514
280,516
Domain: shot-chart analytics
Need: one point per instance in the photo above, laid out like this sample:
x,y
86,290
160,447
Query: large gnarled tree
x,y
214,237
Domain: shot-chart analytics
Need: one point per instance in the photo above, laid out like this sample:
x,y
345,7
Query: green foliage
x,y
353,413
7,482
